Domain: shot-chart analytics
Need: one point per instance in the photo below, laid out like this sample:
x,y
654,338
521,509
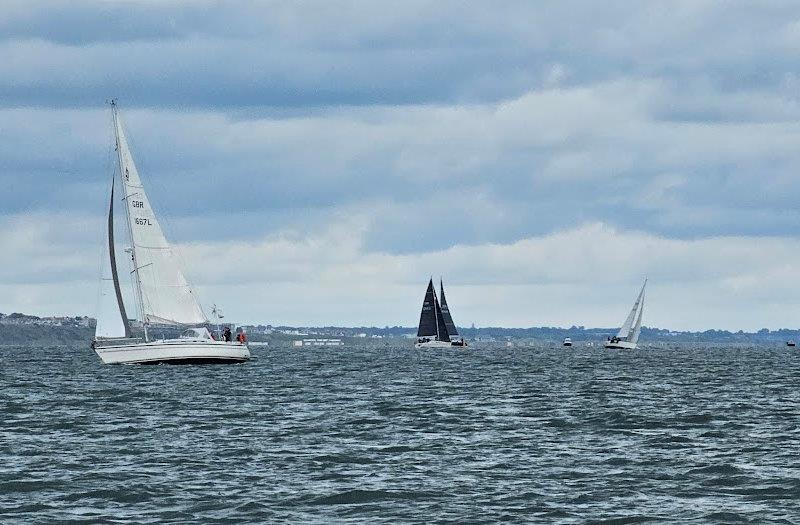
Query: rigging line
x,y
146,247
142,266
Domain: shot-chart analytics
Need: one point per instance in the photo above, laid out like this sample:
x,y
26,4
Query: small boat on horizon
x,y
567,342
790,343
436,327
162,295
628,335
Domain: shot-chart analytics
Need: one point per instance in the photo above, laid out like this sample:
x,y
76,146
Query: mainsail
x,y
163,294
428,318
633,323
112,320
452,331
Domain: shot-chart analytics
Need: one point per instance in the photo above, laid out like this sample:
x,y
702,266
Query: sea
x,y
388,434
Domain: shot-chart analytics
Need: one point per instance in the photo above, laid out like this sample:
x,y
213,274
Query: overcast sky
x,y
317,162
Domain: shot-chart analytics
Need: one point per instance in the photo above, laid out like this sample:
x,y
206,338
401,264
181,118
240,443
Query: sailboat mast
x,y
137,284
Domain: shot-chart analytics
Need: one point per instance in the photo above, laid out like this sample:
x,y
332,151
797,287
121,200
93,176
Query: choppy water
x,y
398,435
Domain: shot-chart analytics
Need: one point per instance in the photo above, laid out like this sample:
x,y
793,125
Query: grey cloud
x,y
286,54
505,145
549,159
437,127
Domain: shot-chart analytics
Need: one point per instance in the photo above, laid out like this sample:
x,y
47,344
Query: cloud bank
x,y
319,161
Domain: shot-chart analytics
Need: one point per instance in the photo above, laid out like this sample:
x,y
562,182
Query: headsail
x,y
440,324
637,328
112,320
165,296
452,331
427,318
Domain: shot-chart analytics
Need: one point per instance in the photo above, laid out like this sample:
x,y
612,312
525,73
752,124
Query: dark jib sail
x,y
427,318
114,275
440,323
448,319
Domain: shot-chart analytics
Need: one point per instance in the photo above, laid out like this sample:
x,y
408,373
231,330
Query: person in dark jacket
x,y
227,334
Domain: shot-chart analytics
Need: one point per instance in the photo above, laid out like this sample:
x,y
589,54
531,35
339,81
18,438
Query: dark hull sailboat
x,y
436,327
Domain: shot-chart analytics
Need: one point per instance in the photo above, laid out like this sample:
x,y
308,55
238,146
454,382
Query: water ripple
x,y
388,435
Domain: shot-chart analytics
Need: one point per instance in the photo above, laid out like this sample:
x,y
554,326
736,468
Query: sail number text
x,y
139,220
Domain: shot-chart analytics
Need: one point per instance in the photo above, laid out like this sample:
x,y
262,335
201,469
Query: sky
x,y
317,162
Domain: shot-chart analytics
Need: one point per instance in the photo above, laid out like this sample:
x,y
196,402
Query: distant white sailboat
x,y
162,294
628,335
436,326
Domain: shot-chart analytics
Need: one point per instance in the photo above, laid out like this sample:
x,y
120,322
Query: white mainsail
x,y
111,317
629,331
109,322
164,295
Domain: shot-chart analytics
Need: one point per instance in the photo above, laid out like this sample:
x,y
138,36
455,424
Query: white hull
x,y
175,351
621,345
439,344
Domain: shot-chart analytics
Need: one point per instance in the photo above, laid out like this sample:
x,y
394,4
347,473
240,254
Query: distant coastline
x,y
20,328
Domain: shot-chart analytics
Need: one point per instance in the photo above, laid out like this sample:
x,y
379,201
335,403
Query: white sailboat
x,y
628,335
436,326
162,294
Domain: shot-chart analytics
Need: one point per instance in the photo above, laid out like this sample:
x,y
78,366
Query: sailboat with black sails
x,y
436,326
161,292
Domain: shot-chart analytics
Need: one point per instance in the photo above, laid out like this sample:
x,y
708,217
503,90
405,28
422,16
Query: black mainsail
x,y
448,319
428,317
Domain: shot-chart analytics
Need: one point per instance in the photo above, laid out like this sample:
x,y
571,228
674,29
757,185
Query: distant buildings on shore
x,y
485,334
33,320
362,332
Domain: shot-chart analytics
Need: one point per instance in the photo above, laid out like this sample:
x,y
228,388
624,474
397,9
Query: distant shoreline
x,y
14,334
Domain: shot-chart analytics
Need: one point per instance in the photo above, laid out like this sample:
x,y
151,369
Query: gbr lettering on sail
x,y
140,221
